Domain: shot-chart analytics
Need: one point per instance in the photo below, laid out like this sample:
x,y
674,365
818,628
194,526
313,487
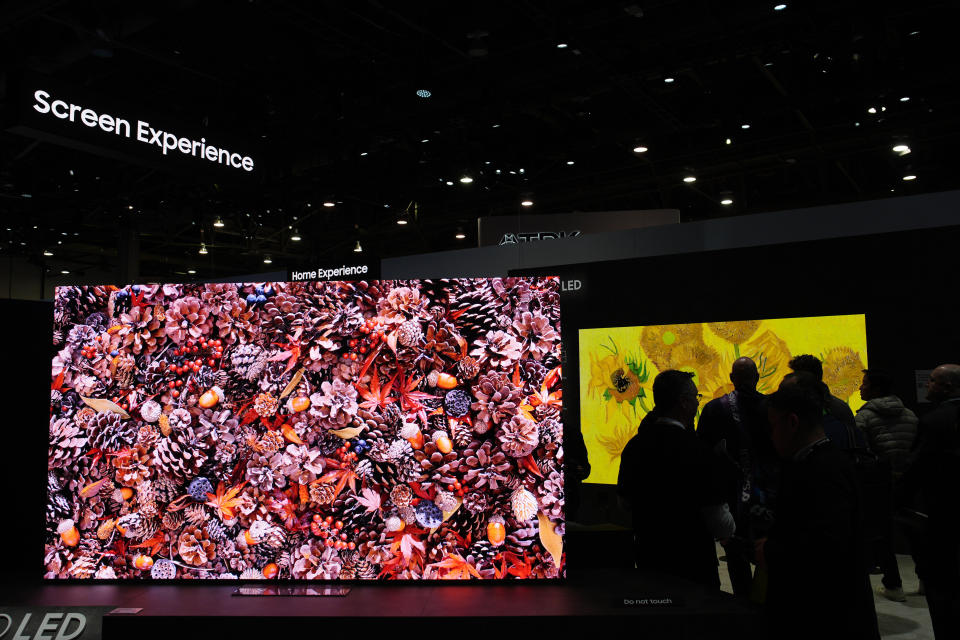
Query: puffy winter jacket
x,y
890,428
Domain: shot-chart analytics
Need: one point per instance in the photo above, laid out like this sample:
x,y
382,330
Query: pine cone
x,y
497,401
551,496
126,372
519,437
335,405
263,474
485,467
468,368
66,444
524,504
195,547
196,515
183,454
498,350
551,430
322,492
401,495
265,405
109,432
409,333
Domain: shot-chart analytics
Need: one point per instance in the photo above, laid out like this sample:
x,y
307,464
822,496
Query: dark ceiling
x,y
328,92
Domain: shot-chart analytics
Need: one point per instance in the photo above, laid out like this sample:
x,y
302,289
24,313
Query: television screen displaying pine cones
x,y
382,430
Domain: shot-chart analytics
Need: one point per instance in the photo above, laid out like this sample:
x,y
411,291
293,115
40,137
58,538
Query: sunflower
x,y
772,355
735,333
659,342
842,371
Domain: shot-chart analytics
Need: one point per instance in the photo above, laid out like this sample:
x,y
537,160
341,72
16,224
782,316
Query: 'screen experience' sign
x,y
142,132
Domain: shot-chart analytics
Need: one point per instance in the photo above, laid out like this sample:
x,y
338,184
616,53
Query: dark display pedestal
x,y
651,606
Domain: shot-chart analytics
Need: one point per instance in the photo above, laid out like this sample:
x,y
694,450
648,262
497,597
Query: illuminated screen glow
x,y
307,430
618,365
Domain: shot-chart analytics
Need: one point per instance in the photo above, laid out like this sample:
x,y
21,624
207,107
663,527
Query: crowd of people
x,y
803,495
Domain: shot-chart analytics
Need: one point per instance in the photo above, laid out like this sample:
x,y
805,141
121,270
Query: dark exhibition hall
x,y
525,314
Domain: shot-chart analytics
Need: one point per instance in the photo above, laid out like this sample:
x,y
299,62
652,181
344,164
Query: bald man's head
x,y
944,383
744,374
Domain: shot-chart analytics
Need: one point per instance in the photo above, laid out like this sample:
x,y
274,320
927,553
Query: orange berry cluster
x,y
331,532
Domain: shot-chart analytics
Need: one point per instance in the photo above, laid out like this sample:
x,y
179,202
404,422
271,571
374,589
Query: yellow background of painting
x,y
607,425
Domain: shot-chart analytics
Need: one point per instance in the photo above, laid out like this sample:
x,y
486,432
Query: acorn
x,y
68,533
496,532
447,381
300,403
142,562
209,399
126,492
270,570
249,539
416,441
442,440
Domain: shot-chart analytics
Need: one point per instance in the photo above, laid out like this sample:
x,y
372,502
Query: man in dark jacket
x,y
932,480
818,576
890,429
837,413
733,427
667,479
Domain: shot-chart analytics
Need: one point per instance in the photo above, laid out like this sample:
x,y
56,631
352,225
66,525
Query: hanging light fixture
x,y
358,248
267,259
218,223
203,249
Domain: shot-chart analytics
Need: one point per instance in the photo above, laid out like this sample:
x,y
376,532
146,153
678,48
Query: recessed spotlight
x,y
872,110
425,140
218,223
640,149
562,45
745,126
909,177
329,203
47,252
363,153
424,93
460,234
668,80
295,236
526,203
689,179
358,248
496,126
905,99
729,141
203,249
569,162
901,149
726,202
779,7
64,271
130,207
267,259
466,179
449,183
401,221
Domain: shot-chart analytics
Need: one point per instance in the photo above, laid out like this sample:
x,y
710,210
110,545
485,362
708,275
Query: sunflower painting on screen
x,y
618,366
405,429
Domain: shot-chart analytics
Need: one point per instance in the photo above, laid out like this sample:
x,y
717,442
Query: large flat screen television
x,y
618,366
405,429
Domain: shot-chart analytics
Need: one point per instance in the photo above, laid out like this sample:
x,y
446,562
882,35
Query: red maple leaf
x,y
409,396
374,396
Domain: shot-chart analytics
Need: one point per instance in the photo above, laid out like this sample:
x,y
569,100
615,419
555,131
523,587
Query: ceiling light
x,y
218,223
909,177
47,252
64,271
569,162
562,45
668,80
203,249
401,221
358,248
425,140
295,236
449,183
689,179
460,234
191,271
267,259
363,153
745,126
526,203
423,93
26,195
130,207
872,110
729,141
329,203
901,149
905,99
727,202
779,7
466,179
640,149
